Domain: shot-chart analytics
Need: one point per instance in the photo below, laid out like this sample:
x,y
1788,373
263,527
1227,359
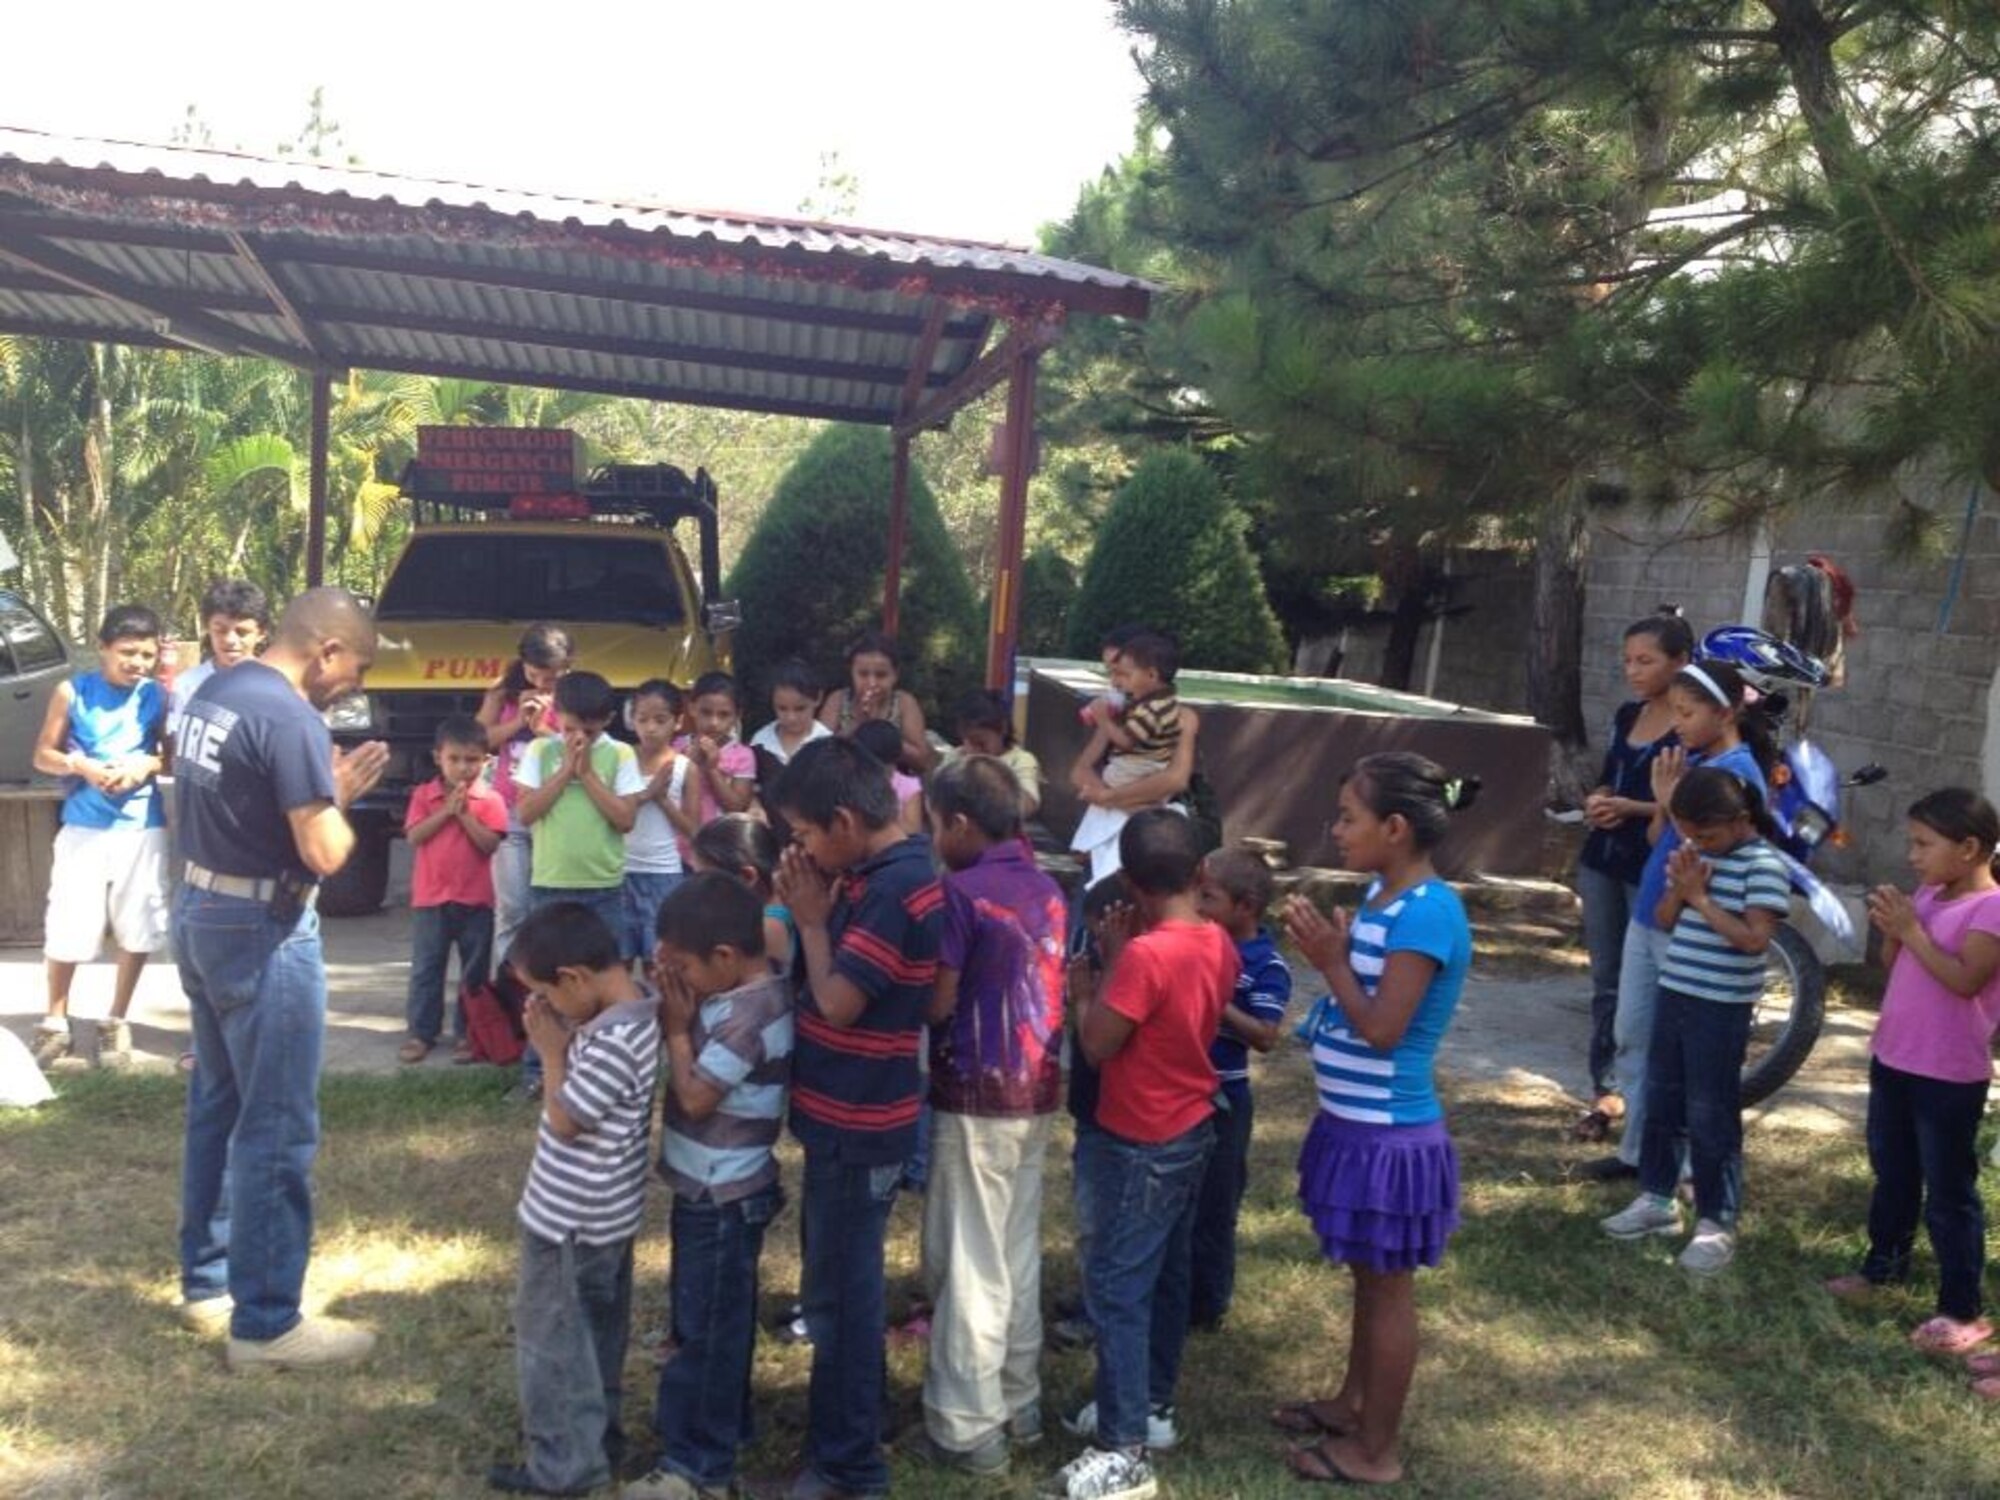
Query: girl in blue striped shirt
x,y
1378,1176
1727,890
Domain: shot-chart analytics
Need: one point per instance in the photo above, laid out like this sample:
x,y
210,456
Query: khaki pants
x,y
983,1266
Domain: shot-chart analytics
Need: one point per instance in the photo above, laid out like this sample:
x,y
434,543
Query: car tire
x,y
358,888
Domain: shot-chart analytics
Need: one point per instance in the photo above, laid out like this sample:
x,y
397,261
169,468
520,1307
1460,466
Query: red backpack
x,y
493,1020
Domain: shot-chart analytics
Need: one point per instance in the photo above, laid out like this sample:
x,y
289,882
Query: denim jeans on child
x,y
642,894
608,904
703,1413
843,1221
1213,1267
434,932
572,1307
1607,912
1143,1201
256,989
1694,1102
1644,954
1083,1209
1921,1144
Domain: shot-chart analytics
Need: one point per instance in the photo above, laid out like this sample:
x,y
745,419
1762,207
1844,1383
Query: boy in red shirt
x,y
1169,975
454,824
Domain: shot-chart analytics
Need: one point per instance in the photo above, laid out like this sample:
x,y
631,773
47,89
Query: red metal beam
x,y
925,355
979,377
175,316
1017,457
899,514
66,226
322,423
301,328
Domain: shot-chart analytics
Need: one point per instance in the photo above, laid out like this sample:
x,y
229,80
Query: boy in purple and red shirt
x,y
996,1078
867,959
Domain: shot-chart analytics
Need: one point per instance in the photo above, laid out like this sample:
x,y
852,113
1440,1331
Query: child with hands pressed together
x,y
579,796
1168,975
516,710
729,1035
870,950
872,693
454,825
1378,1176
1726,891
725,768
1932,1064
738,844
662,822
598,1031
1718,725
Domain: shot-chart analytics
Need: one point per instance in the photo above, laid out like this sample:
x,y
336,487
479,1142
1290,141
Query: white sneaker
x,y
1160,1431
1102,1474
1644,1215
208,1316
1711,1250
308,1344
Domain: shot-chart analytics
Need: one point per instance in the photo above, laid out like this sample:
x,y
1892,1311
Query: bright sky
x,y
971,118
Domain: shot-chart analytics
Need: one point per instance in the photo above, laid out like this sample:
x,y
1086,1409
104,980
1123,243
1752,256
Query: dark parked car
x,y
33,660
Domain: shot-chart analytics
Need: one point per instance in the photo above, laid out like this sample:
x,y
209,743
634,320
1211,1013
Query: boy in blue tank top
x,y
104,735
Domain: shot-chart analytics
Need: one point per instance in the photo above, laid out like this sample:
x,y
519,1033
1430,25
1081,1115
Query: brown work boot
x,y
114,1044
51,1040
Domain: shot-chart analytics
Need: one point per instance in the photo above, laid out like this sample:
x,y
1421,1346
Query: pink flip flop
x,y
1982,1365
1942,1335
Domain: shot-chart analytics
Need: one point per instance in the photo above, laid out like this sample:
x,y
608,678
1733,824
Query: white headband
x,y
1714,688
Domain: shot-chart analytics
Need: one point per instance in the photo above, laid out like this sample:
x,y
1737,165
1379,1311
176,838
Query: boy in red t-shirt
x,y
1169,975
454,824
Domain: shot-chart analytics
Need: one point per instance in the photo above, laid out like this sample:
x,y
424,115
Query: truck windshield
x,y
623,577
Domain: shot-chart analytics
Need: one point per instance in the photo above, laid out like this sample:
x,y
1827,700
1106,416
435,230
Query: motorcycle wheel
x,y
1788,1015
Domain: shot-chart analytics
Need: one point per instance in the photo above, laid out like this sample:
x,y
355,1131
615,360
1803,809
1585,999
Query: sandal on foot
x,y
1302,1419
414,1050
462,1053
1942,1335
1315,1463
1982,1364
1853,1287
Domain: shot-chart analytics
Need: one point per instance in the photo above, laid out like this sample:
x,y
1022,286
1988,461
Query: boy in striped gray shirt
x,y
729,1033
598,1032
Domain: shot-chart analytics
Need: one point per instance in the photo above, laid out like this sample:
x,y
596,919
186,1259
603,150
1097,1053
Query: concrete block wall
x,y
1920,699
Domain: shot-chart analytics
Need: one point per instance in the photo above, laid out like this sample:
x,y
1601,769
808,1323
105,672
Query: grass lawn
x,y
1555,1363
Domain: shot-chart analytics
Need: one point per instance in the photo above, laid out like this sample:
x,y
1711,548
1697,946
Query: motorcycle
x,y
1807,793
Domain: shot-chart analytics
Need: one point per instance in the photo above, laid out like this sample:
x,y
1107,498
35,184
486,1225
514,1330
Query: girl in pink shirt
x,y
1928,1078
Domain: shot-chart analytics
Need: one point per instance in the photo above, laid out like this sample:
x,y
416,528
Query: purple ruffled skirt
x,y
1380,1196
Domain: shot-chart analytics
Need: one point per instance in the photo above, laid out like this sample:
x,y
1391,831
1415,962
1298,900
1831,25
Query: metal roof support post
x,y
899,520
1016,463
322,422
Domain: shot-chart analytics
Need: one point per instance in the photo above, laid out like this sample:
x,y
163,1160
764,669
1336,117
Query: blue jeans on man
x,y
703,1414
256,989
572,1311
609,906
1213,1268
1694,1077
843,1223
1143,1199
434,932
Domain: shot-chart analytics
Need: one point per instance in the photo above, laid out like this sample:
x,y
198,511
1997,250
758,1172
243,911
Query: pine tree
x,y
1171,555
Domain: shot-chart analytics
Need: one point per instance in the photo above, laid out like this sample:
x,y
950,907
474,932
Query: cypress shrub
x,y
1172,555
810,577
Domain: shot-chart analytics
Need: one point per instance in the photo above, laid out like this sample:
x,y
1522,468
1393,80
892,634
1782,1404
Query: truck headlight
x,y
354,714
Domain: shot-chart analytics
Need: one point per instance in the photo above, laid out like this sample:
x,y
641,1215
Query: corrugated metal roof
x,y
337,266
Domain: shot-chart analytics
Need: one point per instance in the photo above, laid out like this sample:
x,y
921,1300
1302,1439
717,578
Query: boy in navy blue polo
x,y
868,907
1235,892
